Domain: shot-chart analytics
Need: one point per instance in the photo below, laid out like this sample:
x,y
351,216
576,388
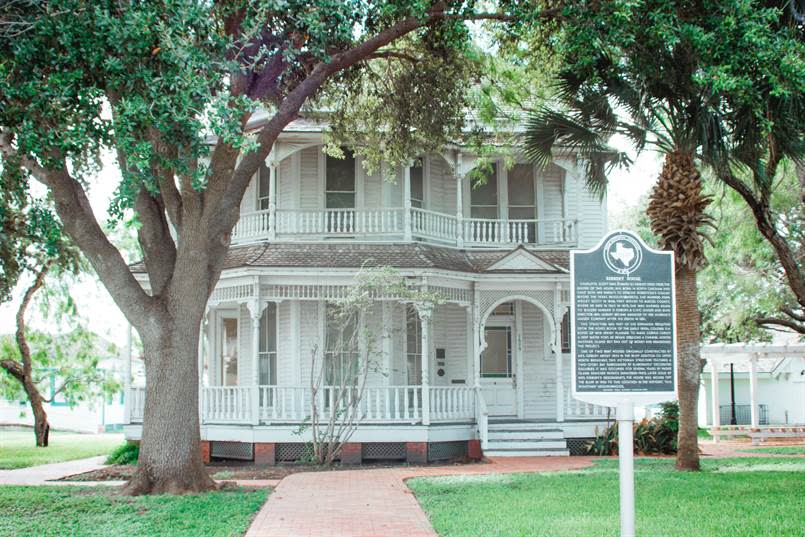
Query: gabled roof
x,y
401,256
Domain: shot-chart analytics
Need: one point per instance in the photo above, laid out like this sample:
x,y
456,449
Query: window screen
x,y
417,186
484,196
340,182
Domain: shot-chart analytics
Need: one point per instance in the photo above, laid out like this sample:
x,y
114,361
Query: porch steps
x,y
510,438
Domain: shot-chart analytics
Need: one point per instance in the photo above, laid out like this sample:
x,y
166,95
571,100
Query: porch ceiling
x,y
403,256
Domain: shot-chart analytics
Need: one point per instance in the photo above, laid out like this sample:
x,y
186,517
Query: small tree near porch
x,y
339,371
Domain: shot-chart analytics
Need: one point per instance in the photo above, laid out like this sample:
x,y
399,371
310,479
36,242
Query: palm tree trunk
x,y
689,367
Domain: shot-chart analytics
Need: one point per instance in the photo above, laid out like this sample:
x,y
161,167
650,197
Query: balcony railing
x,y
392,224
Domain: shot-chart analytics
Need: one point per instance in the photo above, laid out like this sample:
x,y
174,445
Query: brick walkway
x,y
371,503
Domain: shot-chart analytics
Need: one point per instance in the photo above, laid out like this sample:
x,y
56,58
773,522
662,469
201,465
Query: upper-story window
x,y
484,197
340,182
268,346
263,182
522,194
417,185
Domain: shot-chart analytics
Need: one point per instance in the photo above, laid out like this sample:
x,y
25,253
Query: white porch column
x,y
127,379
425,312
407,201
459,200
753,390
272,199
714,397
477,335
386,342
556,347
256,308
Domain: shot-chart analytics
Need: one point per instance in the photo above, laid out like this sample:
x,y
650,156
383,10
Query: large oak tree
x,y
157,81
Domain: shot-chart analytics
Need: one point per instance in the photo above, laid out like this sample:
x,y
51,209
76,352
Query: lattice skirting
x,y
383,451
232,450
440,451
578,446
290,452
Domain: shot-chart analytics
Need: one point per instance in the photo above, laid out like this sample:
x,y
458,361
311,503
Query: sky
x,y
94,303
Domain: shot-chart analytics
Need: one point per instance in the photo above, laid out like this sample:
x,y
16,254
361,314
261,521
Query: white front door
x,y
498,378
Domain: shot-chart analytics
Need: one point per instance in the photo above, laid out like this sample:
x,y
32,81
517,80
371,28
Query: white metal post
x,y
714,398
625,414
753,391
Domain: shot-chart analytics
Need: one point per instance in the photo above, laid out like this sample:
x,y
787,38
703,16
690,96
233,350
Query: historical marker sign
x,y
623,329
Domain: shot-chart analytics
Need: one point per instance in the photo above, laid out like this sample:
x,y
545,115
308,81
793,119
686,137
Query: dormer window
x,y
263,182
340,182
484,197
417,185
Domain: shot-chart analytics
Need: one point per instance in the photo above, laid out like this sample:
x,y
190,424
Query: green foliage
x,y
126,453
656,436
724,499
18,448
99,512
65,366
743,280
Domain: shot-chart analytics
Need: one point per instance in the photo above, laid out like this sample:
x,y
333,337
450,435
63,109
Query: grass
x,y
18,447
743,497
85,512
778,450
703,434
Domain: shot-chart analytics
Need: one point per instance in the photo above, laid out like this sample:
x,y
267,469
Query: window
x,y
496,359
263,186
566,332
413,346
341,347
484,196
268,346
229,351
507,308
417,185
340,182
522,198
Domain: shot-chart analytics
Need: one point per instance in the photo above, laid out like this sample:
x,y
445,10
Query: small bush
x,y
127,453
657,436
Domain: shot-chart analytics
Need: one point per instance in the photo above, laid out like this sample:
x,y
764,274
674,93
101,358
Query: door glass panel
x,y
229,352
484,196
496,358
413,346
268,346
417,187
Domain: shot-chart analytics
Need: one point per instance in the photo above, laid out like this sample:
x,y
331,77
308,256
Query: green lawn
x,y
778,450
85,512
18,448
736,497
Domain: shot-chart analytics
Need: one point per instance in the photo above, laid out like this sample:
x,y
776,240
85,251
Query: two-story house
x,y
489,368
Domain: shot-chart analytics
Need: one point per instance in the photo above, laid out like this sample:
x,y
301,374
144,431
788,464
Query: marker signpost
x,y
623,338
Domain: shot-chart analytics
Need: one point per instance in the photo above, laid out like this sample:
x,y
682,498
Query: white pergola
x,y
716,354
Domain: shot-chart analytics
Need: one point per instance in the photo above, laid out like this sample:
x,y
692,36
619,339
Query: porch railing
x,y
575,409
452,403
390,222
227,404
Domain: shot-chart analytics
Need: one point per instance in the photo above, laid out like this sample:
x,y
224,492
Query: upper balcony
x,y
305,195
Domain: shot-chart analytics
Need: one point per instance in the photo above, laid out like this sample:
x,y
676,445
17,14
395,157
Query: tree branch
x,y
80,224
788,323
22,342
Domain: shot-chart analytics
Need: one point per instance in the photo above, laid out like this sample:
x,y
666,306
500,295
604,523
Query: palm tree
x,y
678,119
678,77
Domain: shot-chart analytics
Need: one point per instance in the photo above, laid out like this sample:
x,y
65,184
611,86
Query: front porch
x,y
492,350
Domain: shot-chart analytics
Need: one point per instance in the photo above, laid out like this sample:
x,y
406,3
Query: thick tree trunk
x,y
170,449
690,368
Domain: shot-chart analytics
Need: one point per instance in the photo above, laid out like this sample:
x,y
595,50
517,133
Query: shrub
x,y
127,453
657,436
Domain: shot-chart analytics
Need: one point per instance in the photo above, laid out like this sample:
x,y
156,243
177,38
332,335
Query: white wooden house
x,y
489,368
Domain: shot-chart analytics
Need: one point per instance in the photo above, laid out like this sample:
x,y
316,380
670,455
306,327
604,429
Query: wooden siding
x,y
310,187
539,370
